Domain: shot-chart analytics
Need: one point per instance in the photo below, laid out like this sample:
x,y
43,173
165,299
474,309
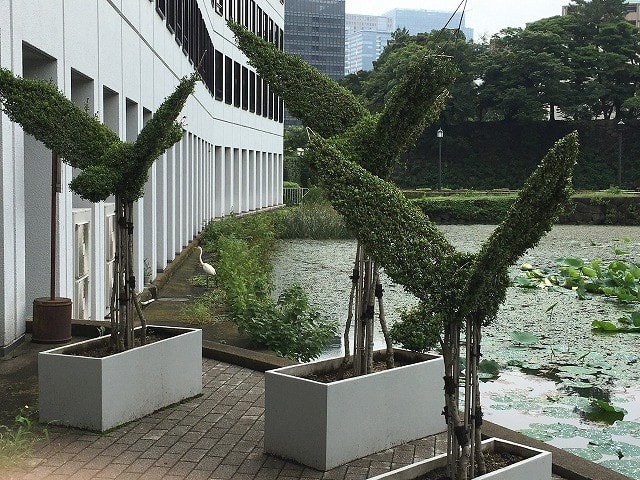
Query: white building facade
x,y
120,59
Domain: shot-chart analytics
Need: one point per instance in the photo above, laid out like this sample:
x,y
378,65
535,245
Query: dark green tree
x,y
524,76
585,63
392,64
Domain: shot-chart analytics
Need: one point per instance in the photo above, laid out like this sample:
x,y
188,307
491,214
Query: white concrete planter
x,y
324,425
535,466
102,393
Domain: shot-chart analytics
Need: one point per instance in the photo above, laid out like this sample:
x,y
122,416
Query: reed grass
x,y
317,221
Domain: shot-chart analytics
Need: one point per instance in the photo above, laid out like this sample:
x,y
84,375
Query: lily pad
x,y
630,468
578,371
586,453
524,338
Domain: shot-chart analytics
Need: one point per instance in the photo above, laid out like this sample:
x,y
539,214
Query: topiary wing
x,y
317,100
537,207
44,112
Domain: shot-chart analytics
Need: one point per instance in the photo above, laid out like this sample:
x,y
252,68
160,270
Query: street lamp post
x,y
440,134
620,128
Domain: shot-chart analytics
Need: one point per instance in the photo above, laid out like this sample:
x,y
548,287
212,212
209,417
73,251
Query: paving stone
x,y
218,435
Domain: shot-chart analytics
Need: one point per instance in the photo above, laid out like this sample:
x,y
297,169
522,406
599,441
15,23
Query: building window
x,y
270,31
265,98
258,95
219,7
252,91
171,15
238,10
161,7
179,18
245,14
265,26
252,27
258,30
219,75
228,80
228,12
237,77
245,88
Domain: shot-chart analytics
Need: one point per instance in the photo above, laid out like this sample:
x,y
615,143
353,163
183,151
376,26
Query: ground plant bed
x,y
505,461
82,387
324,425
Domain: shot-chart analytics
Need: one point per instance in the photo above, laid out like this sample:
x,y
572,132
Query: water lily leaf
x,y
571,262
623,427
526,267
537,434
630,468
601,411
578,370
524,338
558,412
604,326
608,407
574,384
621,449
586,453
524,282
589,272
556,430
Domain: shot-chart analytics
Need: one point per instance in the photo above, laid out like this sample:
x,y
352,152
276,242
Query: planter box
x,y
324,425
102,393
535,466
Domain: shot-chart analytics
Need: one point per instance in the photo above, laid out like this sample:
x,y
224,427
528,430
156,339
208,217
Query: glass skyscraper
x,y
314,29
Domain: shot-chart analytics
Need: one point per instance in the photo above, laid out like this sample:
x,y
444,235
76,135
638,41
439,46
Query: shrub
x,y
416,330
290,326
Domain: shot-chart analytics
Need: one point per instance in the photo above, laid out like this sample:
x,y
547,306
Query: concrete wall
x,y
119,59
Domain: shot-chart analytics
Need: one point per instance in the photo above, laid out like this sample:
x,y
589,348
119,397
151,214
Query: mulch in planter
x,y
493,460
103,349
344,373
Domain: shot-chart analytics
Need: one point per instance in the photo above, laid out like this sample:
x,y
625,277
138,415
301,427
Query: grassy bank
x,y
240,250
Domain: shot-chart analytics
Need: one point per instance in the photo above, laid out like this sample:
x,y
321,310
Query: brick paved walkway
x,y
215,436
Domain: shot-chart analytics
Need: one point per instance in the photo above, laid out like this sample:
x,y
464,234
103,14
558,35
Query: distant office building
x,y
633,12
367,35
315,31
420,21
363,48
373,23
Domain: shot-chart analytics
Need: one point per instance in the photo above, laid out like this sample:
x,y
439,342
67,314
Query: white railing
x,y
293,196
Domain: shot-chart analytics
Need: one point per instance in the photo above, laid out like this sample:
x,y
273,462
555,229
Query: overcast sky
x,y
484,16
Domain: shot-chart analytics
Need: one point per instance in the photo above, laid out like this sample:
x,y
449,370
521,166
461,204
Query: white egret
x,y
208,268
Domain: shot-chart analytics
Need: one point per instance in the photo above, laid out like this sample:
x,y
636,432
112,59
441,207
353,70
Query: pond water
x,y
548,389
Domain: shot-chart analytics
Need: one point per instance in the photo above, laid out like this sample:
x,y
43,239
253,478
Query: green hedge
x,y
597,208
491,155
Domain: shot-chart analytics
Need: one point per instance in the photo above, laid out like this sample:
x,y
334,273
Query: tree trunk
x,y
123,296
